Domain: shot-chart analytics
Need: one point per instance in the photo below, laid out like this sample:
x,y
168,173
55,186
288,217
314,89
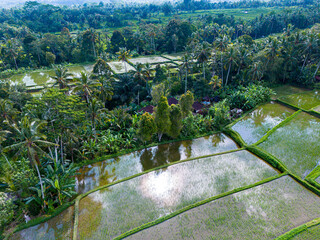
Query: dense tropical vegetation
x,y
81,118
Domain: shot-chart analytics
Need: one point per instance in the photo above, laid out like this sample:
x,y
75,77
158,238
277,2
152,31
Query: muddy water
x,y
296,144
305,100
105,172
59,227
254,126
107,213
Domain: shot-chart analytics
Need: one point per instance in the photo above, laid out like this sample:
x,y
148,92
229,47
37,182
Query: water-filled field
x,y
184,197
105,172
59,227
132,203
305,100
296,144
265,211
42,78
148,59
256,124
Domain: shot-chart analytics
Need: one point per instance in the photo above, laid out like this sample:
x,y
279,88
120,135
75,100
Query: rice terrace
x,y
160,120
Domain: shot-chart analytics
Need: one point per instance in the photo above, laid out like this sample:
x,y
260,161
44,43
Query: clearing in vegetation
x,y
257,123
110,212
266,211
150,59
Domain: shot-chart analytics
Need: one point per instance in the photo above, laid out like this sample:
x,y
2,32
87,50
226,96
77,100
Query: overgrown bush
x,y
6,209
247,98
220,114
194,125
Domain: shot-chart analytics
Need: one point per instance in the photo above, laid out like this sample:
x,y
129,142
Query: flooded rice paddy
x,y
132,203
267,211
256,124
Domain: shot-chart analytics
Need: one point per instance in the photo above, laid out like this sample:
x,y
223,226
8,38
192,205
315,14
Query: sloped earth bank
x,y
257,123
262,212
296,144
102,173
107,213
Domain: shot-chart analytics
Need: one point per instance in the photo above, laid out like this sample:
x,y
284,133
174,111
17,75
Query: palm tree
x,y
95,108
86,85
106,89
203,58
12,48
222,44
124,55
62,76
7,111
31,140
230,60
185,65
3,134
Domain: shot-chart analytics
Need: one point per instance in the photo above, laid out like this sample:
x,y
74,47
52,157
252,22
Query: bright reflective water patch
x,y
296,144
312,233
255,125
305,100
59,227
317,109
42,77
285,90
102,173
263,212
148,59
120,67
107,213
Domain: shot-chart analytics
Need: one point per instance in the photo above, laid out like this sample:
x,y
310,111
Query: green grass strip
x,y
281,124
305,183
313,183
314,173
235,136
295,231
76,209
171,215
267,157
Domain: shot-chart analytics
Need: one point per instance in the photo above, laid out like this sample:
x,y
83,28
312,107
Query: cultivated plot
x,y
150,59
285,90
312,233
305,100
255,125
57,228
296,144
107,213
176,56
102,173
317,109
263,212
120,67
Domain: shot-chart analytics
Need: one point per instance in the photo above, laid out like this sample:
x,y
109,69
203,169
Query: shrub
x,y
6,209
220,114
249,97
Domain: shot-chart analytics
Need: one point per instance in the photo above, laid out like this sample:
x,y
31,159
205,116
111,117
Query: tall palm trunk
x,y
221,68
315,73
204,71
228,73
41,185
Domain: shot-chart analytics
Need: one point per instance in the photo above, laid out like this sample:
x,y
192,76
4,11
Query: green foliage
x,y
6,209
147,127
50,58
194,125
176,121
162,117
247,98
220,114
158,91
186,102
